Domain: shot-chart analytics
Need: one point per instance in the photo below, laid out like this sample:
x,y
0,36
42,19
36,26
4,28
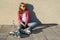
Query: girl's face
x,y
23,7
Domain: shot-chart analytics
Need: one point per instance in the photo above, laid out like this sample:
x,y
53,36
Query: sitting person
x,y
23,19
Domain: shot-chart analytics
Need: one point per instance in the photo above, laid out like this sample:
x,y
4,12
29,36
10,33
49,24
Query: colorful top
x,y
20,16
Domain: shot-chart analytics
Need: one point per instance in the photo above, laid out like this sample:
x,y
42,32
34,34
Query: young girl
x,y
23,18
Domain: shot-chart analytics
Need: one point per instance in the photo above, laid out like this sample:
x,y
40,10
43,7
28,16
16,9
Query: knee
x,y
34,24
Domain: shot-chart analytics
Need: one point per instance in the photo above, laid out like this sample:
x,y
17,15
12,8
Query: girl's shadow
x,y
32,15
33,18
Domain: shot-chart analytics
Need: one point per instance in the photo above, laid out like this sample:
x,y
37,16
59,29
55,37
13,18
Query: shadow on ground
x,y
33,18
38,30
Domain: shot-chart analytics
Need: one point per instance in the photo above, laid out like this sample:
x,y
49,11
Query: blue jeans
x,y
31,26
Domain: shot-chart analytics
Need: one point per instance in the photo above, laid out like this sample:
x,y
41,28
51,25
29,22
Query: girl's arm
x,y
19,19
27,17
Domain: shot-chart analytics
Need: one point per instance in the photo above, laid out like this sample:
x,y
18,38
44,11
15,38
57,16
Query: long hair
x,y
20,10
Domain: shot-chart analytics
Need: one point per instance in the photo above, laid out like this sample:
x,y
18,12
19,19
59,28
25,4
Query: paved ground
x,y
43,32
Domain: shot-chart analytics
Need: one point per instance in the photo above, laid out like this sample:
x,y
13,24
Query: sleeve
x,y
19,18
27,17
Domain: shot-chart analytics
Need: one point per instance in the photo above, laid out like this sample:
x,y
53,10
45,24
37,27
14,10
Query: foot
x,y
11,33
27,31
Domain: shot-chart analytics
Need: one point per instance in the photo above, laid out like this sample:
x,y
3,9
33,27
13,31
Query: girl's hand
x,y
24,25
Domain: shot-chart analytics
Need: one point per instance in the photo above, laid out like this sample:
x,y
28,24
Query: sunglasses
x,y
23,6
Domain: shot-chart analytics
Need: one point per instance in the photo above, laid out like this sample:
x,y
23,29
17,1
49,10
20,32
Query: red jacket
x,y
20,16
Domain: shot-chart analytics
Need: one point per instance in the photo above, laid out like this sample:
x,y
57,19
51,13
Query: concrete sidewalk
x,y
43,32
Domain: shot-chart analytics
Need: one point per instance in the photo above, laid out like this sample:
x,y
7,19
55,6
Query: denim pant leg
x,y
19,28
32,25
